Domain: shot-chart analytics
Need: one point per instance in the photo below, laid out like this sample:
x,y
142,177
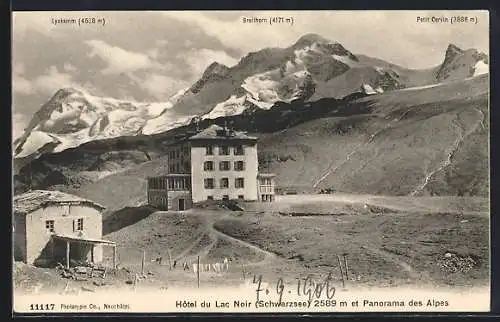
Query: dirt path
x,y
268,256
215,235
198,239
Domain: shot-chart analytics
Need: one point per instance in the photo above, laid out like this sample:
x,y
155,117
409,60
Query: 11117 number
x,y
42,307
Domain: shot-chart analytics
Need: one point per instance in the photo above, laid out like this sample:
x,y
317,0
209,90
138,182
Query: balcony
x,y
266,188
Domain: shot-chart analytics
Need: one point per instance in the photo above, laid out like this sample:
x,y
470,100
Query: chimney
x,y
197,125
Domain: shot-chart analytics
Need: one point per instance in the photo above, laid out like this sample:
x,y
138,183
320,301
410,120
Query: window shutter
x,y
74,225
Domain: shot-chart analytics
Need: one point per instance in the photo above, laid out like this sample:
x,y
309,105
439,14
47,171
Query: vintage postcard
x,y
250,161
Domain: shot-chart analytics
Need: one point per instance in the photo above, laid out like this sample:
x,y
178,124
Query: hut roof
x,y
36,199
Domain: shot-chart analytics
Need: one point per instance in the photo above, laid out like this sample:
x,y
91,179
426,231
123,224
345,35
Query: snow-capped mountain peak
x,y
311,38
73,117
459,63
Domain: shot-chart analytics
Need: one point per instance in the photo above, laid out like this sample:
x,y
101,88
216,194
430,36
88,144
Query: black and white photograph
x,y
250,161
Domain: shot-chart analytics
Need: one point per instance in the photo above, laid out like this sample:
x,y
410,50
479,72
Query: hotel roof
x,y
217,132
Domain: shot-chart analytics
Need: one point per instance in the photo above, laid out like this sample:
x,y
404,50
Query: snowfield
x,y
481,68
233,106
75,117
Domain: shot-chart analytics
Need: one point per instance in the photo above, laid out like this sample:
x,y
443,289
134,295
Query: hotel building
x,y
214,164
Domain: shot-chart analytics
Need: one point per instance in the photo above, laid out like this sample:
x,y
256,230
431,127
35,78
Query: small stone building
x,y
57,227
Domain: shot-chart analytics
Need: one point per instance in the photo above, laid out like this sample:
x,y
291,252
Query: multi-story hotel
x,y
214,164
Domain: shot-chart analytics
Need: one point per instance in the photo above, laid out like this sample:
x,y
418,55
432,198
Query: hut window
x,y
49,224
78,224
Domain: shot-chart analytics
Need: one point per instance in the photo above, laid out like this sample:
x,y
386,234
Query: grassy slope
x,y
383,249
156,233
127,188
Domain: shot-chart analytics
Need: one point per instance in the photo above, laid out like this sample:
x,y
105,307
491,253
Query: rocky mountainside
x,y
459,64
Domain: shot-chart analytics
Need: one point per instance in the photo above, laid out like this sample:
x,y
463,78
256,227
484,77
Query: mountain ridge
x,y
270,83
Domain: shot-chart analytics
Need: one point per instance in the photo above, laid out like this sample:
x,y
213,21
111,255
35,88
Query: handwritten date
x,y
305,287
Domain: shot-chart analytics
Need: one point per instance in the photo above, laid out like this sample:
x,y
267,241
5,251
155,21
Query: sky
x,y
150,55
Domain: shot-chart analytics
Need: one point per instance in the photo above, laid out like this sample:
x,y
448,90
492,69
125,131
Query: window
x,y
210,197
224,166
209,150
239,183
209,183
224,183
267,198
241,197
171,168
224,150
49,224
208,166
265,182
239,166
225,197
238,150
78,224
